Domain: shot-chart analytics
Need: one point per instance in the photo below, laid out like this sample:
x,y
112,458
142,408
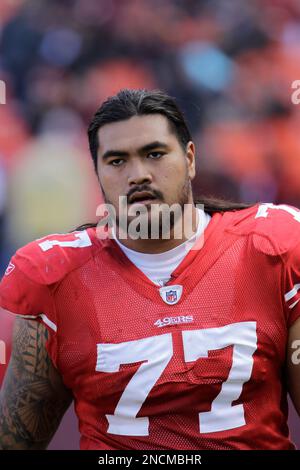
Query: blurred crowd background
x,y
229,63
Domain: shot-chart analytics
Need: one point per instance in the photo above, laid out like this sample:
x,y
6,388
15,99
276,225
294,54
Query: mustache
x,y
156,193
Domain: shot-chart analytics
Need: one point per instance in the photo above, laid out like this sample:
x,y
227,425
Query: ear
x,y
190,156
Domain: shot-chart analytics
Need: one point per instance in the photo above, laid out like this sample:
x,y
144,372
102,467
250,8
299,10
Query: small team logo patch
x,y
171,294
9,269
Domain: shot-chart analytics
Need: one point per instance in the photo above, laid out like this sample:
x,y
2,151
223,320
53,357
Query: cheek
x,y
172,182
173,174
110,183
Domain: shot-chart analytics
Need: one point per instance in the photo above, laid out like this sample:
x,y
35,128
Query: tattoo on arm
x,y
33,398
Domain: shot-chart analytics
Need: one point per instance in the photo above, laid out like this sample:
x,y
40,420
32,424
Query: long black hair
x,y
128,103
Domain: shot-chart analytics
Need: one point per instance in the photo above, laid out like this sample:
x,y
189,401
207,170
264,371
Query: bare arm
x,y
33,398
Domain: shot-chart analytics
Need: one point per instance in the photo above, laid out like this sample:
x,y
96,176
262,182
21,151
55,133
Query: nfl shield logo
x,y
171,296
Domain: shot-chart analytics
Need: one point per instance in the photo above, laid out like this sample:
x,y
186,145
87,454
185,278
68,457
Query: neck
x,y
186,226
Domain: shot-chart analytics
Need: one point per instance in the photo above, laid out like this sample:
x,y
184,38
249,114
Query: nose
x,y
139,174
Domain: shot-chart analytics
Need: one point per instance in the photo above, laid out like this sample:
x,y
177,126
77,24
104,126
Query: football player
x,y
186,342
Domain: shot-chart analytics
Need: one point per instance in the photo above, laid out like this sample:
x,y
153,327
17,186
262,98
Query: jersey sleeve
x,y
292,285
36,269
24,293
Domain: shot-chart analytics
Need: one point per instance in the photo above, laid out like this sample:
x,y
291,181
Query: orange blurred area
x,y
13,135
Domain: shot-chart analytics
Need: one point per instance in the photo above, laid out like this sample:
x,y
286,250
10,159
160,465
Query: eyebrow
x,y
146,148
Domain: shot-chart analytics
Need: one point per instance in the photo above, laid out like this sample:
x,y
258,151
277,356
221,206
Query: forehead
x,y
135,132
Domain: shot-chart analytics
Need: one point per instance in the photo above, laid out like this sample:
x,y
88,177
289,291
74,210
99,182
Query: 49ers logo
x,y
174,320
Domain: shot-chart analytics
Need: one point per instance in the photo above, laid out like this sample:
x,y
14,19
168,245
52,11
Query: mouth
x,y
142,198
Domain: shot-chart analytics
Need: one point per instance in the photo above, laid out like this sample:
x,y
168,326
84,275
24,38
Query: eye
x,y
116,162
156,155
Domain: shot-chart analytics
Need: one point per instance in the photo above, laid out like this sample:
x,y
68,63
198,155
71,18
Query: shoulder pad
x,y
49,259
275,229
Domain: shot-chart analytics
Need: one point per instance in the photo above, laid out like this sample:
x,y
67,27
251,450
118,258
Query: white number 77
x,y
157,351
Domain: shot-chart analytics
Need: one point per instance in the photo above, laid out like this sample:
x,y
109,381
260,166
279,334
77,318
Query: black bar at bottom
x,y
134,459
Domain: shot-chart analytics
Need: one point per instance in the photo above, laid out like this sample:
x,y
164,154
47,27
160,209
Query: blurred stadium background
x,y
229,63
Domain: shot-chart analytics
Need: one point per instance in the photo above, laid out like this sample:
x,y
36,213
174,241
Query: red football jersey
x,y
198,364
